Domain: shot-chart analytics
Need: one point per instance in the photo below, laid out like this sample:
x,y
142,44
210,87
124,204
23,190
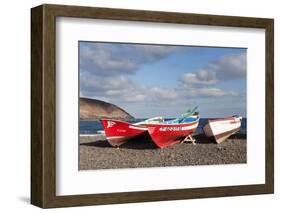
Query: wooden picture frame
x,y
43,105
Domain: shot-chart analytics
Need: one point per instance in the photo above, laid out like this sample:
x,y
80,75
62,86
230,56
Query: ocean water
x,y
92,127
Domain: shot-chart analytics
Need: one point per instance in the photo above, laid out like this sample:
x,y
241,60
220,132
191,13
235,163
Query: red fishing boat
x,y
119,132
171,132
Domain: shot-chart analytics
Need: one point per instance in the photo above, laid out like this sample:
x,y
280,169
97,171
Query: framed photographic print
x,y
136,106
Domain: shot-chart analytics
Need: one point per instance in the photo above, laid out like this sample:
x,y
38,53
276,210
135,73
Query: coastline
x,y
96,153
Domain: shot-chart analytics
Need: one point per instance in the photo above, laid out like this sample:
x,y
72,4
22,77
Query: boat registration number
x,y
164,129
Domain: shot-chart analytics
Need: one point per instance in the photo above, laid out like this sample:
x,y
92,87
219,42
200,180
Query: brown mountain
x,y
92,109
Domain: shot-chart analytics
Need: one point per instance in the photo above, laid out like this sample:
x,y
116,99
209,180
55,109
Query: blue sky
x,y
164,80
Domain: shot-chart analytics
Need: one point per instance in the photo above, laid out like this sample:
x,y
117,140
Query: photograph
x,y
159,105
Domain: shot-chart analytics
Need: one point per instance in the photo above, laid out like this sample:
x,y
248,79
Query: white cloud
x,y
209,92
201,77
135,97
155,52
92,85
122,90
230,67
100,59
107,59
163,93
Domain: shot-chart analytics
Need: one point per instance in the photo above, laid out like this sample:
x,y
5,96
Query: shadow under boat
x,y
145,142
142,141
203,139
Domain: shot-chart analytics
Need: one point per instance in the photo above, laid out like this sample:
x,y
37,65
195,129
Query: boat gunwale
x,y
175,124
130,124
146,125
222,119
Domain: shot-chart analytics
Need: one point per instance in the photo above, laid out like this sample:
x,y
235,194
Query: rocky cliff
x,y
92,109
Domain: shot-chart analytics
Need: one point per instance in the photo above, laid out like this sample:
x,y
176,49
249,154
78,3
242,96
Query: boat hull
x,y
164,135
119,132
219,130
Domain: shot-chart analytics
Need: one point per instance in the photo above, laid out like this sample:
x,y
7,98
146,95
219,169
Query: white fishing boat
x,y
220,129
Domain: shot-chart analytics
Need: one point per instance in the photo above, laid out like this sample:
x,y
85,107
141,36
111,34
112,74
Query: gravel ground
x,y
96,153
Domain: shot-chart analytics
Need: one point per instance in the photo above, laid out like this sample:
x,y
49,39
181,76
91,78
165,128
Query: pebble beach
x,y
96,153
